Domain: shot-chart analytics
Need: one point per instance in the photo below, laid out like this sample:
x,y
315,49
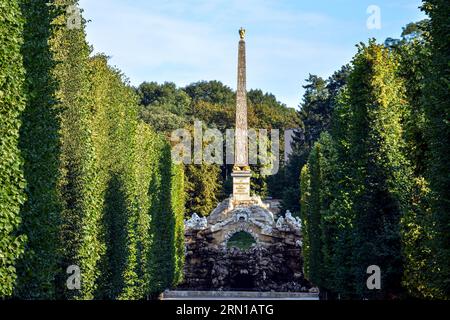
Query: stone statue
x,y
242,33
196,223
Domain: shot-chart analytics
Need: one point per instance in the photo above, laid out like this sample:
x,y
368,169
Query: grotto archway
x,y
241,240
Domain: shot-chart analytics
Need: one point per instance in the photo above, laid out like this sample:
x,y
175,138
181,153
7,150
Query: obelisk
x,y
241,171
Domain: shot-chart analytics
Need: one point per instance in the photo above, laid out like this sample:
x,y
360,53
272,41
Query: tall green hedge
x,y
12,104
64,200
360,183
113,131
40,145
381,172
178,207
437,109
416,224
78,184
95,175
305,191
167,229
135,189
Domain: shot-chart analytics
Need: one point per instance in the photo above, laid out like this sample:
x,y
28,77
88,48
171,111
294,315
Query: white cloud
x,y
186,42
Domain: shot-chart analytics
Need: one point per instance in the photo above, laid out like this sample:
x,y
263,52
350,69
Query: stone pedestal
x,y
241,185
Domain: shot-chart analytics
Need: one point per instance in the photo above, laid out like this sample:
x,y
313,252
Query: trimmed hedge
x,y
134,160
101,185
12,104
167,228
437,110
113,127
40,145
358,184
63,209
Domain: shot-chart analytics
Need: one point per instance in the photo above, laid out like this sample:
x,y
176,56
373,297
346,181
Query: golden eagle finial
x,y
242,33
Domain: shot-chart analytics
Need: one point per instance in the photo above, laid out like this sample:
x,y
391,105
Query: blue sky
x,y
185,41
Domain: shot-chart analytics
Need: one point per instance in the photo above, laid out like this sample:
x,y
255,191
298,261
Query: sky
x,y
185,41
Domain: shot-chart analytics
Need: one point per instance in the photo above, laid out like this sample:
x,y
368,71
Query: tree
x,y
121,146
164,107
359,182
312,123
340,214
167,96
94,174
315,117
211,91
203,188
167,213
319,187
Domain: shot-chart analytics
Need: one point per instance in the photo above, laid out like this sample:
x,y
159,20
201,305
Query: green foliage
x,y
167,214
178,208
164,107
381,176
265,112
358,182
320,225
137,193
437,109
416,224
202,188
12,104
114,130
315,117
210,91
93,171
58,152
241,240
167,96
305,189
77,182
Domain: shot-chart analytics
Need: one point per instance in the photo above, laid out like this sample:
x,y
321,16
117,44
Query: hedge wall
x,y
39,142
133,160
166,256
437,108
11,172
102,191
